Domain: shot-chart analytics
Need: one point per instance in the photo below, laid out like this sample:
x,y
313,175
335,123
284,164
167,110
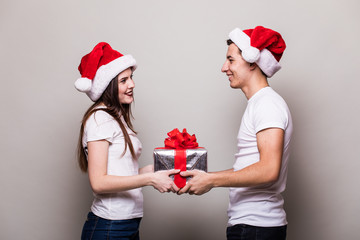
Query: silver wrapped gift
x,y
196,158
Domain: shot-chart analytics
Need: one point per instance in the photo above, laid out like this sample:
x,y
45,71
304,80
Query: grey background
x,y
180,48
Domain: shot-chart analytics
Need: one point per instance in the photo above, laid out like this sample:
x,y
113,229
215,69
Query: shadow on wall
x,y
301,201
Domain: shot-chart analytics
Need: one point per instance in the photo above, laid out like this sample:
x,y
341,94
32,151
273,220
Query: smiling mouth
x,y
130,93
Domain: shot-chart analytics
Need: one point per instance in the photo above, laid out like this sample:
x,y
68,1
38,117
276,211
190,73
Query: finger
x,y
184,189
174,187
170,188
174,190
187,174
173,171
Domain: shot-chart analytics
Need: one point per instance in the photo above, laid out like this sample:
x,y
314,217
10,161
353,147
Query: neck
x,y
256,83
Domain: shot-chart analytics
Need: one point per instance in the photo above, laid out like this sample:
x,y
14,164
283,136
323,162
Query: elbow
x,y
272,180
272,177
97,188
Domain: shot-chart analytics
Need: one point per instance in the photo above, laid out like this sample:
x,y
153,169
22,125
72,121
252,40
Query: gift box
x,y
182,152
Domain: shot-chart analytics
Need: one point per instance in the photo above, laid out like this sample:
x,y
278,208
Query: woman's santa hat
x,y
99,67
260,45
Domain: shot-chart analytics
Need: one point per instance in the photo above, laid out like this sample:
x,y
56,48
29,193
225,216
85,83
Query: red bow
x,y
180,140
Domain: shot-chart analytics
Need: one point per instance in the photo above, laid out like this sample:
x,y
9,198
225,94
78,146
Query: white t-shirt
x,y
125,204
260,206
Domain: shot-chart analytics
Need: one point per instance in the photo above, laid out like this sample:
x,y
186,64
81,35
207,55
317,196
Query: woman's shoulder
x,y
99,117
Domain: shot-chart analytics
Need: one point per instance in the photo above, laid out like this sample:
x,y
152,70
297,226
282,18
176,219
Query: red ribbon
x,y
180,142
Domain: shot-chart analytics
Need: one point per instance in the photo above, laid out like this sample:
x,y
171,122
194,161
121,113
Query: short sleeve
x,y
270,113
100,126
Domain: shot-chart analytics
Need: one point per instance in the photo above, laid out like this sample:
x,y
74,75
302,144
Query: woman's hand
x,y
162,182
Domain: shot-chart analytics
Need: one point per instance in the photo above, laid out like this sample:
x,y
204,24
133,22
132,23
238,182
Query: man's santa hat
x,y
260,45
99,67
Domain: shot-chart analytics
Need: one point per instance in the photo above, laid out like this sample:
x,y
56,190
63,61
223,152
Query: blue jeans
x,y
247,232
97,228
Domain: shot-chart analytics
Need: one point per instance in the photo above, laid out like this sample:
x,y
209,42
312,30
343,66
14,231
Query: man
x,y
259,174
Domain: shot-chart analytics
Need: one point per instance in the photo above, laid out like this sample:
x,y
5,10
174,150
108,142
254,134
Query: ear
x,y
252,66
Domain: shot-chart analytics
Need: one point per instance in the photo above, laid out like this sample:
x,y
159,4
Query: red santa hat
x,y
260,45
99,67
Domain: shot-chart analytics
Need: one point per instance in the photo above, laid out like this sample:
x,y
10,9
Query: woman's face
x,y
126,86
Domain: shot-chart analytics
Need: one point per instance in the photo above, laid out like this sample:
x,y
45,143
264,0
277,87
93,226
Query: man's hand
x,y
199,183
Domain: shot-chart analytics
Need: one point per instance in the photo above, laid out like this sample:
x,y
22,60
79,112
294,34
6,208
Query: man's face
x,y
235,67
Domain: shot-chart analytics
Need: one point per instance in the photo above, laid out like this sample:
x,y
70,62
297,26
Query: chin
x,y
234,87
127,101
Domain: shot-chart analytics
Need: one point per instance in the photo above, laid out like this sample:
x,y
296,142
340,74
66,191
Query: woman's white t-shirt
x,y
125,204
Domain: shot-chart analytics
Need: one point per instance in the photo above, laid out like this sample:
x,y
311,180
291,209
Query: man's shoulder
x,y
269,103
269,96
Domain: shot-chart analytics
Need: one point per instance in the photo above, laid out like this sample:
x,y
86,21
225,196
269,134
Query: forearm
x,y
111,183
253,175
224,171
267,170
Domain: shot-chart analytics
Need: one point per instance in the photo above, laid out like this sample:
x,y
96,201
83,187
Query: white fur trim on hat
x,y
267,62
107,72
264,59
83,84
250,54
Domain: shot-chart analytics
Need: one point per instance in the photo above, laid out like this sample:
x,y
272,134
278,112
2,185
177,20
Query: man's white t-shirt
x,y
260,206
125,204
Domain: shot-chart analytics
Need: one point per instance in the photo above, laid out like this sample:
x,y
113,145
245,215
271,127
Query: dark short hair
x,y
229,41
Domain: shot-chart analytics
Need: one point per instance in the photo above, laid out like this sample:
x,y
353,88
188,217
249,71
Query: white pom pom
x,y
83,84
250,54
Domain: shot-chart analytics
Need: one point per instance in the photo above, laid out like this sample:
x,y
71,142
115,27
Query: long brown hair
x,y
114,108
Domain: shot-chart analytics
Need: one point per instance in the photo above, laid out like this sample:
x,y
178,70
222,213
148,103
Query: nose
x,y
225,66
131,83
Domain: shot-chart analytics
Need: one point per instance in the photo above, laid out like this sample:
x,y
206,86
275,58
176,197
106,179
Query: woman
x,y
109,149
